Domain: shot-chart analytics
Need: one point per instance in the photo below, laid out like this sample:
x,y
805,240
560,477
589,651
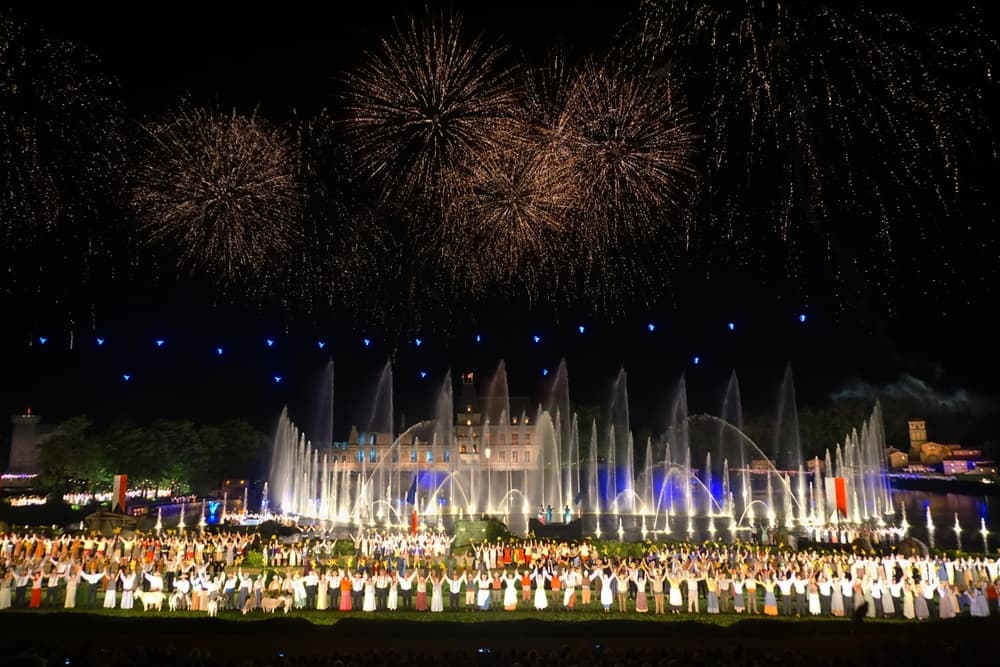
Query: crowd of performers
x,y
390,571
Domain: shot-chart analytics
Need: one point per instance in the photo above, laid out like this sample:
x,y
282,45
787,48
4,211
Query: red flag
x,y
118,493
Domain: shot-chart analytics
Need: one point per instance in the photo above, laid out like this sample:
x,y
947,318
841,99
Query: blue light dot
x,y
42,340
100,342
160,342
479,339
696,360
366,341
802,317
269,342
537,339
651,327
545,371
219,351
731,326
321,344
423,374
418,342
277,379
126,377
581,328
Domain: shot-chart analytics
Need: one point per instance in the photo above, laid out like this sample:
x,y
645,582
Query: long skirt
x,y
738,605
36,598
421,600
770,604
641,605
920,607
837,603
110,599
541,599
712,602
345,600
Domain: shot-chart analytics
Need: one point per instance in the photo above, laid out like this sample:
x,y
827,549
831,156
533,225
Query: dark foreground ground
x,y
83,639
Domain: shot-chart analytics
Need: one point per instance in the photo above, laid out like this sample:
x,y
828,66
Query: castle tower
x,y
918,436
24,443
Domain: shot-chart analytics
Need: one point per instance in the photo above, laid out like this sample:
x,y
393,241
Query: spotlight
x,y
537,339
269,342
321,344
802,317
160,342
651,327
100,342
696,360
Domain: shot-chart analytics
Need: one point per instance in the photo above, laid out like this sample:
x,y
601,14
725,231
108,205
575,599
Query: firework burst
x,y
226,189
60,145
426,103
503,226
830,128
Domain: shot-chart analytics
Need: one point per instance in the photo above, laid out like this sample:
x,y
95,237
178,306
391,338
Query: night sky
x,y
932,319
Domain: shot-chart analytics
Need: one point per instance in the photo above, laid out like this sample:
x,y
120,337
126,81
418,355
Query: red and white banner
x,y
118,493
836,494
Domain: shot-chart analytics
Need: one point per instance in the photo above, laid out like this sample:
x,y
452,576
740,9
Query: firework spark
x,y
226,189
426,103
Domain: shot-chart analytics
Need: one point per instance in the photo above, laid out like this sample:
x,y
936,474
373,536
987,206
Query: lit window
x,y
526,420
413,456
361,456
429,456
461,449
514,420
468,408
371,456
513,456
468,422
447,456
527,456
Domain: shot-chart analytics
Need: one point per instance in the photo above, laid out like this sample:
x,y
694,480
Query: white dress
x,y
437,596
393,601
541,599
509,591
368,603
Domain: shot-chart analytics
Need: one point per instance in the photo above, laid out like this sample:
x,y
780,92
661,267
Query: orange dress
x,y
345,594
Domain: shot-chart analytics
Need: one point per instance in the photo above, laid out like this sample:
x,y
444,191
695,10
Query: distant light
x,y
126,377
269,342
100,342
545,371
802,317
731,326
42,340
581,328
160,342
418,342
277,379
219,351
423,374
479,339
651,327
366,341
696,360
537,339
321,344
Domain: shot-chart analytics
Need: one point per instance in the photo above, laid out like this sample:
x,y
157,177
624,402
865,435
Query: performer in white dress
x,y
539,577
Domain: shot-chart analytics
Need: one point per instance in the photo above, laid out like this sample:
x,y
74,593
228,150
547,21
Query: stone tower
x,y
24,444
918,436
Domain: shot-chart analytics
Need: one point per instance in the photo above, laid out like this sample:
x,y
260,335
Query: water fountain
x,y
476,455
